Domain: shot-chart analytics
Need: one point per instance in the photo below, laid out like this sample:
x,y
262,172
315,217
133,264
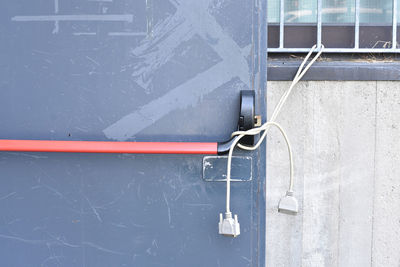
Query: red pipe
x,y
108,147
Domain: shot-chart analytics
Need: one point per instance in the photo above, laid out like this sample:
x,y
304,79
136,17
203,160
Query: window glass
x,y
338,11
338,20
300,11
334,11
273,11
376,23
376,12
398,28
300,23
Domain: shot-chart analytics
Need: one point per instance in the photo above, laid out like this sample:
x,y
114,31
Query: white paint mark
x,y
154,243
119,225
8,195
168,208
127,34
23,240
100,248
51,258
180,193
54,191
56,23
191,18
93,61
84,33
198,205
62,241
137,225
93,208
13,221
246,259
123,18
56,6
183,96
30,155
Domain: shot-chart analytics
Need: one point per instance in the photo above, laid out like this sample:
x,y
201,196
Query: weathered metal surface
x,y
214,168
126,70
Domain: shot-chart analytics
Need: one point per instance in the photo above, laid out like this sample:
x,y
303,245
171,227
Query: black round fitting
x,y
247,115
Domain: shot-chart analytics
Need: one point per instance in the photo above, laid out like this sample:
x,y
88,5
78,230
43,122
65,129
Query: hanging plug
x,y
229,226
288,204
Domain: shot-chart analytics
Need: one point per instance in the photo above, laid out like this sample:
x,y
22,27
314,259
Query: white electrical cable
x,y
265,127
255,131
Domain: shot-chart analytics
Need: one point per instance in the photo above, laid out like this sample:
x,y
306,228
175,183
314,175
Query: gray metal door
x,y
142,70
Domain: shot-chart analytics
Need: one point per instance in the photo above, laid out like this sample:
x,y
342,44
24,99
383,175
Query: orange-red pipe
x,y
109,147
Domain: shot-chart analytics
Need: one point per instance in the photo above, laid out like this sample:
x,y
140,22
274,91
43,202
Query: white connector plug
x,y
288,204
229,226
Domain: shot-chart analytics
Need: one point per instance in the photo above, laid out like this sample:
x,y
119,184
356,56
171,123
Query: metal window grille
x,y
392,48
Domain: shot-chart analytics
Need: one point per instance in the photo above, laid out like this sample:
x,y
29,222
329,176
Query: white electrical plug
x,y
288,204
229,226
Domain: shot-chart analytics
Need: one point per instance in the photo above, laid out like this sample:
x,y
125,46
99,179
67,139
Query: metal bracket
x,y
247,117
247,121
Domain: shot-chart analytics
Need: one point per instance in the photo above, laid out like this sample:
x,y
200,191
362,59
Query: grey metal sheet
x,y
126,70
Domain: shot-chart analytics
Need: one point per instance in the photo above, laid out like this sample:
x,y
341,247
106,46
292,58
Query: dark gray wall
x,y
136,71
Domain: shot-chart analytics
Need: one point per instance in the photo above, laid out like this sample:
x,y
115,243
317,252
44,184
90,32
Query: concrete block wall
x,y
346,141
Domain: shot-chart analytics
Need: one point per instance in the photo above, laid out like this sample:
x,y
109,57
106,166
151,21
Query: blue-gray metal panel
x,y
127,70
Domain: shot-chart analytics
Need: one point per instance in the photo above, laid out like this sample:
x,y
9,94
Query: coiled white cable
x,y
255,131
265,127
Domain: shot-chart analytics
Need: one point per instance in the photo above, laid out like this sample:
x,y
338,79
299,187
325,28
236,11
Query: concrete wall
x,y
346,141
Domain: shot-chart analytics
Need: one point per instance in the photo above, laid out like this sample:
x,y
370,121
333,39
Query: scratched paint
x,y
60,16
127,18
191,18
123,70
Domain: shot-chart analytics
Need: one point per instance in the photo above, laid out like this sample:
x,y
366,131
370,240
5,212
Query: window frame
x,y
357,48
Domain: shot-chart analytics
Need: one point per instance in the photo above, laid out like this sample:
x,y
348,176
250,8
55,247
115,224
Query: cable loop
x,y
266,126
